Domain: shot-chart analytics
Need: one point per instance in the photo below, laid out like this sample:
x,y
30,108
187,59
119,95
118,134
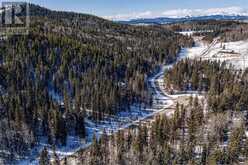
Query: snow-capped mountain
x,y
181,15
166,20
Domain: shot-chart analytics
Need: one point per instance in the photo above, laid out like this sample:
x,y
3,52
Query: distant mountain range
x,y
165,20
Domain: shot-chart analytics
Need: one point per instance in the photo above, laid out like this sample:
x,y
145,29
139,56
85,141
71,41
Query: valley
x,y
167,103
79,89
163,102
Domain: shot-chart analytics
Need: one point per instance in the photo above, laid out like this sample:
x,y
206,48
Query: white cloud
x,y
234,10
205,12
134,15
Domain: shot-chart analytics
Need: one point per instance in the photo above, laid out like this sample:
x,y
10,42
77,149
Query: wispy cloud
x,y
203,12
134,15
234,10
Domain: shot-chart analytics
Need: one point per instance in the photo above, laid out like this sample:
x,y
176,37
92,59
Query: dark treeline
x,y
71,66
204,25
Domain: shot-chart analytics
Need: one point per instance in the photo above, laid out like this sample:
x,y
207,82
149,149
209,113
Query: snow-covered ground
x,y
123,120
111,124
190,32
234,53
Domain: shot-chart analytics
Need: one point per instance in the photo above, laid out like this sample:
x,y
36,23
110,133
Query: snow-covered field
x,y
234,53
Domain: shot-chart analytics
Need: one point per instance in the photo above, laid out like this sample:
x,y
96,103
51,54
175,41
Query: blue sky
x,y
132,7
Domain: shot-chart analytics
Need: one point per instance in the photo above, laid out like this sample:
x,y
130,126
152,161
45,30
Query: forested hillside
x,y
194,134
227,89
71,66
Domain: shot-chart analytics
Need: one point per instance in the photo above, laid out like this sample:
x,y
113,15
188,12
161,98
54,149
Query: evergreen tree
x,y
94,152
104,146
44,158
120,148
55,157
235,145
80,126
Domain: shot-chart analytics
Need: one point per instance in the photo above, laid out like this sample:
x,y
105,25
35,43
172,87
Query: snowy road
x,y
162,101
112,124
